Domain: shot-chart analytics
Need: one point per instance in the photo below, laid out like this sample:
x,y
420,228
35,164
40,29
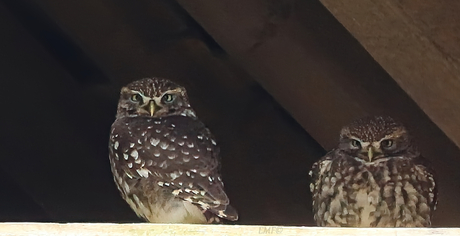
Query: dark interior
x,y
63,64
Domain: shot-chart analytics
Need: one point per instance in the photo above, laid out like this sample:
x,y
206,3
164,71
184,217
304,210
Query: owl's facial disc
x,y
372,151
156,105
367,151
154,97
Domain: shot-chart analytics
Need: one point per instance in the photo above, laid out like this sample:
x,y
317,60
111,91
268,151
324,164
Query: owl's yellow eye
x,y
387,143
136,98
168,98
355,143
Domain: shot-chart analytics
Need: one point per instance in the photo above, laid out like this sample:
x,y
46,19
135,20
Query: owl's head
x,y
154,97
374,138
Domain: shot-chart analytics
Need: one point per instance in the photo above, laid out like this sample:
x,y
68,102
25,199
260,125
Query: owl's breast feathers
x,y
160,160
392,192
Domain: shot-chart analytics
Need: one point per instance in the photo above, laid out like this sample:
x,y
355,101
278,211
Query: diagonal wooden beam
x,y
417,42
319,73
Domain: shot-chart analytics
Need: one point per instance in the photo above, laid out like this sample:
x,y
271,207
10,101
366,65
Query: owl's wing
x,y
317,170
317,173
430,187
180,155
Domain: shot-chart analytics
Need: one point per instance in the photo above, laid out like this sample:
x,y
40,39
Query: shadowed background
x,y
286,71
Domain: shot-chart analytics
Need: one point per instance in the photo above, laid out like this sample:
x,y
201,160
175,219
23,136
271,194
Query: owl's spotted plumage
x,y
376,177
164,160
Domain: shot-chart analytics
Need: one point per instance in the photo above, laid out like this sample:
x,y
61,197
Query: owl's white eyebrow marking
x,y
145,99
172,91
389,136
364,144
354,137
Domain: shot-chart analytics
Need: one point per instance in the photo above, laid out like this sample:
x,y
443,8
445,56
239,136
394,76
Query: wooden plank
x,y
417,42
82,229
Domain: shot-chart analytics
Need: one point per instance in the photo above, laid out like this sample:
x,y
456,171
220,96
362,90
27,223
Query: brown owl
x,y
376,177
164,160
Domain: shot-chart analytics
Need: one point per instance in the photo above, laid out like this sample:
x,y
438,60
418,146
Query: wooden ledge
x,y
146,229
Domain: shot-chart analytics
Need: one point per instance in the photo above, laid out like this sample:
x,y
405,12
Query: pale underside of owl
x,y
165,161
376,177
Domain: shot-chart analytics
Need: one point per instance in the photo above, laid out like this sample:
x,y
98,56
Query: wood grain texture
x,y
198,230
416,42
324,78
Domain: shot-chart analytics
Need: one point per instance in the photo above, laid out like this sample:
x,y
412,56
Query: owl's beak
x,y
370,153
151,107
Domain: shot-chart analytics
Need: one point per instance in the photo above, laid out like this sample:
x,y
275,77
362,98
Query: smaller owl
x,y
164,160
375,177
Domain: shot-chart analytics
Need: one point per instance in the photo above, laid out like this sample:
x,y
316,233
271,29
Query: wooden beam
x,y
188,229
319,73
417,42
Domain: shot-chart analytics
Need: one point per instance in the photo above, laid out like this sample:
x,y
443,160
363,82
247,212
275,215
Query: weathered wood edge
x,y
195,229
415,47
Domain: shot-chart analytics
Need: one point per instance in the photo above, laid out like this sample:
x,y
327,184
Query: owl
x,y
375,177
165,162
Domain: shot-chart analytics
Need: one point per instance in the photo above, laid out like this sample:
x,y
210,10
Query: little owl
x,y
375,177
165,162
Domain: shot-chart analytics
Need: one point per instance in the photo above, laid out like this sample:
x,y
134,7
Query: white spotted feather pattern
x,y
167,168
